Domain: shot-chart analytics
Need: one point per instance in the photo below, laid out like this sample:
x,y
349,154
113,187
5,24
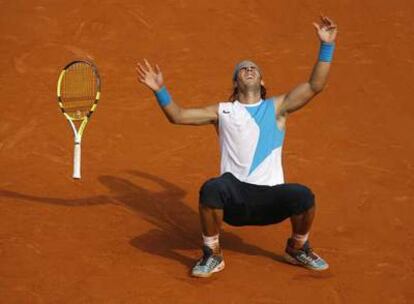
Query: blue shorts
x,y
248,204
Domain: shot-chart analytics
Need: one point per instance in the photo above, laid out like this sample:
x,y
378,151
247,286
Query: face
x,y
249,76
248,73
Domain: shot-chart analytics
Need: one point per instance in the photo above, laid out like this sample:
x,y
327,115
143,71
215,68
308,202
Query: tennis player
x,y
251,189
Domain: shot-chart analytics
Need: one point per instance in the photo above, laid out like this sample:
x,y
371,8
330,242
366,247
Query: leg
x,y
301,225
210,220
298,250
211,215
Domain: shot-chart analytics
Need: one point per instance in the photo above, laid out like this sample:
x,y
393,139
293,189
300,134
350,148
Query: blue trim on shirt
x,y
270,136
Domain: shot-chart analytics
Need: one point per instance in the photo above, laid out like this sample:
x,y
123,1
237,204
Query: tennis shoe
x,y
208,264
304,256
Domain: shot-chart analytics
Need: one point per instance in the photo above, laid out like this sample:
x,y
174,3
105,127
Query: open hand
x,y
326,29
150,77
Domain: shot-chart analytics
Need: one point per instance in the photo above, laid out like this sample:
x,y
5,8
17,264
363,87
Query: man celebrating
x,y
251,188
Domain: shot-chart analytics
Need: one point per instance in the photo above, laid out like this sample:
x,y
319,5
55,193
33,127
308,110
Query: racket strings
x,y
79,88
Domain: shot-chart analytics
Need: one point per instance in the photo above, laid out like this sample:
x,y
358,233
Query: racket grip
x,y
77,161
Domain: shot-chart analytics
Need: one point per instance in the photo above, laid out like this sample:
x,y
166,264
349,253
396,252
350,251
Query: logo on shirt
x,y
226,112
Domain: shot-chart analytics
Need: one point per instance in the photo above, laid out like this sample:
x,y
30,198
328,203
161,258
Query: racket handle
x,y
77,161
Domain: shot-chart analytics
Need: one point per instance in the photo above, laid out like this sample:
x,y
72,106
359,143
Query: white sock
x,y
212,242
300,238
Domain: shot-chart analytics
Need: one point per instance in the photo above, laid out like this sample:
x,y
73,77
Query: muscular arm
x,y
191,116
303,93
153,79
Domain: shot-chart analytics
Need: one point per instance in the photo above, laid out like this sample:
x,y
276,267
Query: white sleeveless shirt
x,y
251,142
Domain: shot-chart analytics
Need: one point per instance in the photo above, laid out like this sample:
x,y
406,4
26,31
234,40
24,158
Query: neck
x,y
249,97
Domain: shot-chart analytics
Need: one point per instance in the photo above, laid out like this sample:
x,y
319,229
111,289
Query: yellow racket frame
x,y
78,133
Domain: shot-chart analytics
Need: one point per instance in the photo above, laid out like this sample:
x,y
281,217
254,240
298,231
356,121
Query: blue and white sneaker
x,y
305,257
208,264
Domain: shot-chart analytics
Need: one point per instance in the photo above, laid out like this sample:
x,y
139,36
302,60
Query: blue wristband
x,y
163,97
326,52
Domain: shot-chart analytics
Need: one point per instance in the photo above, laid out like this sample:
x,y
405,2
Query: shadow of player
x,y
177,224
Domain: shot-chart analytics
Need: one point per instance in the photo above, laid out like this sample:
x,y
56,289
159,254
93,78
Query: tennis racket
x,y
78,93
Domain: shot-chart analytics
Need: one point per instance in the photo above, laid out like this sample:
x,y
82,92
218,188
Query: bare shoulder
x,y
222,105
212,111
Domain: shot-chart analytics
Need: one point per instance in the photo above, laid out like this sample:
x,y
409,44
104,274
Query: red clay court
x,y
128,232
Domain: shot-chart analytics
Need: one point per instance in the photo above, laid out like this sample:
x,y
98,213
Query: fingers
x,y
329,20
324,19
147,64
158,69
144,69
326,29
148,75
142,80
141,69
326,22
141,74
147,68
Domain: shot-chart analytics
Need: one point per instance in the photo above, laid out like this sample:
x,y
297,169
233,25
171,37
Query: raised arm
x,y
303,93
152,78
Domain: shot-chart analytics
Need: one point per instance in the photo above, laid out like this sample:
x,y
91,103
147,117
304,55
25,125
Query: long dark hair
x,y
235,95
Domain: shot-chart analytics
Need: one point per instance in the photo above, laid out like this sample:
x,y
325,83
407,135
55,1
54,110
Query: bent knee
x,y
304,199
211,194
